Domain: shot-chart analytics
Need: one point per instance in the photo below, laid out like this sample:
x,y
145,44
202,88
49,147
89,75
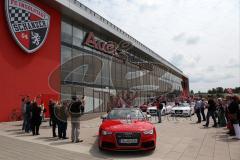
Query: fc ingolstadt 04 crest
x,y
28,23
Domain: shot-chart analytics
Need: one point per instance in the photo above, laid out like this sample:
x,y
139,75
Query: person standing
x,y
23,110
75,113
211,112
197,108
36,118
234,111
53,119
62,114
28,115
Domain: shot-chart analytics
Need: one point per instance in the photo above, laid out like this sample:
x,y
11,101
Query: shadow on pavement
x,y
25,135
13,130
94,151
45,127
61,142
47,139
224,137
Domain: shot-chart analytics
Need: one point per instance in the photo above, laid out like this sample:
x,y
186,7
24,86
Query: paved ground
x,y
178,139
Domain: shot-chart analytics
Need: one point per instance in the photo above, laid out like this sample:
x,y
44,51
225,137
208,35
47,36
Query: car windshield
x,y
184,105
125,114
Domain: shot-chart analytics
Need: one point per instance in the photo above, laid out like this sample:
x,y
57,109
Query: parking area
x,y
177,139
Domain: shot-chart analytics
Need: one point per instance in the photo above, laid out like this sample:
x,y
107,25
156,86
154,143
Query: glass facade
x,y
105,80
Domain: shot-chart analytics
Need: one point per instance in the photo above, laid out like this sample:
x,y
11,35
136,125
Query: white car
x,y
152,110
183,109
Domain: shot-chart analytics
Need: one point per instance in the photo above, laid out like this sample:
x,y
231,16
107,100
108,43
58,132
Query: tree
x,y
209,91
191,92
219,90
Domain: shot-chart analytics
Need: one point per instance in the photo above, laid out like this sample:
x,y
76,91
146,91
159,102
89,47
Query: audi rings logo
x,y
28,23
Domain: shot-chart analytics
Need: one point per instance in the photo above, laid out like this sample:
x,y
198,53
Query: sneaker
x,y
77,141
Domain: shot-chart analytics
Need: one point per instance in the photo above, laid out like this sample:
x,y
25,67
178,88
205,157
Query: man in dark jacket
x,y
36,118
28,115
211,112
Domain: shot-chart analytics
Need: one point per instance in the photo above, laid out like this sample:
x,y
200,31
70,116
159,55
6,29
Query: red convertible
x,y
126,129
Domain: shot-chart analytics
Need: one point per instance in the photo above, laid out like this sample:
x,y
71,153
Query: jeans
x,y
28,124
203,114
24,122
62,127
35,126
212,114
54,125
198,113
75,131
159,113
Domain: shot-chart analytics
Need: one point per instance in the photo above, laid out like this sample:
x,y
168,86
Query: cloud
x,y
210,77
188,39
189,34
193,40
183,61
179,37
233,63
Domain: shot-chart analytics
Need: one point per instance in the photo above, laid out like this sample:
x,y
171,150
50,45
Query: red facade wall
x,y
27,74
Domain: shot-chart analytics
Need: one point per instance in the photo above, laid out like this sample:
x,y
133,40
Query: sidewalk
x,y
178,139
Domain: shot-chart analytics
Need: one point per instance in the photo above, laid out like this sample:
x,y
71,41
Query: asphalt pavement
x,y
177,139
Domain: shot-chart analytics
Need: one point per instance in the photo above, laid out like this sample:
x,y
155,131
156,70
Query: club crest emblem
x,y
28,24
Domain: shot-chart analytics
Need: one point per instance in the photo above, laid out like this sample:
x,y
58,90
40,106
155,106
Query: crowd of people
x,y
59,113
225,112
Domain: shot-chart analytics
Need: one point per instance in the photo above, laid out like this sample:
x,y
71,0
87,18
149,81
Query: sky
x,y
200,37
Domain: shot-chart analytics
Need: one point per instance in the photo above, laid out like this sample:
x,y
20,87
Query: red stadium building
x,y
57,49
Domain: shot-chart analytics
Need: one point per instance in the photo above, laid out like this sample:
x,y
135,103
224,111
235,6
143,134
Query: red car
x,y
126,129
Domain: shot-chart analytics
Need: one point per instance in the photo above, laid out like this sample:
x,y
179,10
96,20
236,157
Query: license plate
x,y
178,112
128,141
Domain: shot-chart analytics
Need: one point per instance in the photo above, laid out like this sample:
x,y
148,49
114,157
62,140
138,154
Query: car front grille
x,y
152,111
128,136
178,111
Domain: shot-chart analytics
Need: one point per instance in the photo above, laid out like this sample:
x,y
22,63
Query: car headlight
x,y
148,132
104,133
